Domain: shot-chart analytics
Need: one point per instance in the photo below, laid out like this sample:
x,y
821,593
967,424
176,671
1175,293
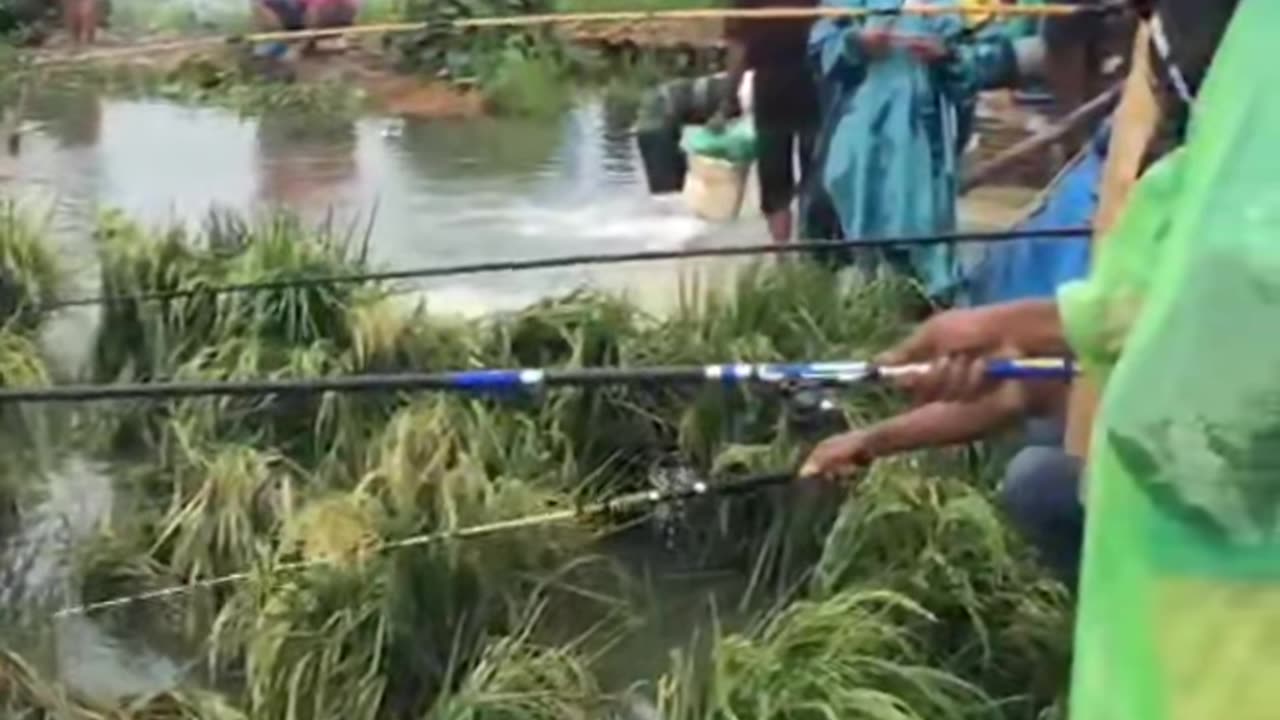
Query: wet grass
x,y
908,600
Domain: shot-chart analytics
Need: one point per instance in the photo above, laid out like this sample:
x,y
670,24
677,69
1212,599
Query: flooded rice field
x,y
424,194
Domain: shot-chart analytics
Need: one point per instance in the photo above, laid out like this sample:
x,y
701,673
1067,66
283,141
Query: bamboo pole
x,y
1083,117
551,19
1134,127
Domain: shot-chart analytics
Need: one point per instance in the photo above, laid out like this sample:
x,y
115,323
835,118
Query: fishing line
x,y
561,261
551,19
624,504
500,381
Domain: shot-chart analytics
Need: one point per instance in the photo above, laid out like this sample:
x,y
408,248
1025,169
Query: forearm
x,y
941,424
1034,327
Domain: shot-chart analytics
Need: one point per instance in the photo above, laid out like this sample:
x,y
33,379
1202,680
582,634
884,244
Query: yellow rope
x,y
699,15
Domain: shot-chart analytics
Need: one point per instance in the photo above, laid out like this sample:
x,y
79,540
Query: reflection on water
x,y
298,166
443,192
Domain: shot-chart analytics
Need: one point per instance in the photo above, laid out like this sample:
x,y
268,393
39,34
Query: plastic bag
x,y
735,144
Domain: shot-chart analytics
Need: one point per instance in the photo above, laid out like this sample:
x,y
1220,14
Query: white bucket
x,y
714,188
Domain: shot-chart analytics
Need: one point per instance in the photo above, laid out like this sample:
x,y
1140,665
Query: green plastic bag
x,y
1179,613
736,143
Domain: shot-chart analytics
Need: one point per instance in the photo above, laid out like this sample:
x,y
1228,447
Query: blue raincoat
x,y
893,127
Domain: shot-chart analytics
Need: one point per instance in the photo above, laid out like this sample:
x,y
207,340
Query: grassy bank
x,y
902,596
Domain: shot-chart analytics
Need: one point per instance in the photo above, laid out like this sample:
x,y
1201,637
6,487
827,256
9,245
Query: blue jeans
x,y
1041,496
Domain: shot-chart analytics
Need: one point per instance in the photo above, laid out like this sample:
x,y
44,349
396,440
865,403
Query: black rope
x,y
570,261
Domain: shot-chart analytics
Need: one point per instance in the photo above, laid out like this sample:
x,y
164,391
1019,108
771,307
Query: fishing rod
x,y
552,19
628,504
505,381
560,261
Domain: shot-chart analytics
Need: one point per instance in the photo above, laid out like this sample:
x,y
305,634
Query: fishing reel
x,y
811,409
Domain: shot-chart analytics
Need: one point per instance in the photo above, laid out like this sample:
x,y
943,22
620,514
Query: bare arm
x,y
947,423
1030,327
936,425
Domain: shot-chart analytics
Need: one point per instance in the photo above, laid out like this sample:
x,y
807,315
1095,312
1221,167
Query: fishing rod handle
x,y
1031,369
1002,369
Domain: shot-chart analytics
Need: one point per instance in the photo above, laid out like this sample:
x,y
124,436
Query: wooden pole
x,y
1133,128
1083,117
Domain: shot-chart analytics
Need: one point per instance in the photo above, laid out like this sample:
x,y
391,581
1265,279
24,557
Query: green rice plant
x,y
851,655
140,338
365,634
21,364
287,331
1002,624
515,678
312,642
29,273
225,504
24,427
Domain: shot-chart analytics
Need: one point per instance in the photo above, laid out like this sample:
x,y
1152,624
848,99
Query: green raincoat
x,y
894,127
1179,615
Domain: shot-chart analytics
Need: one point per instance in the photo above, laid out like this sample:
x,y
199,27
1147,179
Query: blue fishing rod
x,y
500,382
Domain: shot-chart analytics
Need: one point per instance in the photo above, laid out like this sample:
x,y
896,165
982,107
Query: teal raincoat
x,y
894,127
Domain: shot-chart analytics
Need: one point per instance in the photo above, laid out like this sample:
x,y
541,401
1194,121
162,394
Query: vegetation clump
x,y
335,512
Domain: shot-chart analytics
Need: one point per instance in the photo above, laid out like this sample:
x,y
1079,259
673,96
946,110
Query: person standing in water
x,y
899,93
81,18
784,104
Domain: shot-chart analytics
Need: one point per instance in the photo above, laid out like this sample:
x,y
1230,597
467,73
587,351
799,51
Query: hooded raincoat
x,y
894,126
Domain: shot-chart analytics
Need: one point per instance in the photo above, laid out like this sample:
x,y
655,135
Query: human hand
x,y
953,332
953,345
926,50
839,455
874,42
